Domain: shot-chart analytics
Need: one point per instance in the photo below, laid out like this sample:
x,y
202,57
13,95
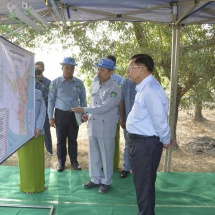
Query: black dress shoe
x,y
90,185
76,165
60,168
104,188
124,174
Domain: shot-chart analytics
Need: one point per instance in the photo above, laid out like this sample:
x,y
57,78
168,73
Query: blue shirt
x,y
40,111
115,77
65,95
150,111
43,85
128,95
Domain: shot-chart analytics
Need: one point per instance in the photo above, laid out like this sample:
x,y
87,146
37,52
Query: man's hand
x,y
78,110
84,118
37,133
166,146
122,123
52,122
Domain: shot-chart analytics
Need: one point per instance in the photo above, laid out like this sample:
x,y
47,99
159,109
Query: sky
x,y
51,56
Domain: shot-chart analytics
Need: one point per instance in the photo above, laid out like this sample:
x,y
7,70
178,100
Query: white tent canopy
x,y
176,13
158,11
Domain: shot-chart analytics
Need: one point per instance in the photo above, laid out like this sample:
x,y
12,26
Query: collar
x,y
62,79
143,83
107,83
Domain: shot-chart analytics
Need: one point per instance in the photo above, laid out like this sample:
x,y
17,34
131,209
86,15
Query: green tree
x,y
123,39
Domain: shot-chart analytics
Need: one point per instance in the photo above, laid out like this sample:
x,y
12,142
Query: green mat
x,y
177,193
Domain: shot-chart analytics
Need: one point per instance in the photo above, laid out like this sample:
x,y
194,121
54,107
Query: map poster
x,y
16,97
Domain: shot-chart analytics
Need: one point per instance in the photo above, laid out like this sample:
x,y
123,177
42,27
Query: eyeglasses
x,y
131,67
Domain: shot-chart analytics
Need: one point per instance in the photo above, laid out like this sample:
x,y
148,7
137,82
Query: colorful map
x,y
16,97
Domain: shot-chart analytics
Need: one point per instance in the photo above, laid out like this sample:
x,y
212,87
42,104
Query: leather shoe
x,y
76,165
104,188
90,185
124,174
60,168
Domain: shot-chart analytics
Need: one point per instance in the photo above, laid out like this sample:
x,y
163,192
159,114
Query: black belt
x,y
138,136
65,111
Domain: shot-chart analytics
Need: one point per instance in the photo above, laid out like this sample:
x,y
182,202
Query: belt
x,y
138,136
65,111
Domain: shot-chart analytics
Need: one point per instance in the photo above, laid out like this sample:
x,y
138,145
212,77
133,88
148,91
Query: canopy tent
x,y
158,11
175,13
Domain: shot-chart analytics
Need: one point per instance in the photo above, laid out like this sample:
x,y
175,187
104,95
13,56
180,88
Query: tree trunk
x,y
198,112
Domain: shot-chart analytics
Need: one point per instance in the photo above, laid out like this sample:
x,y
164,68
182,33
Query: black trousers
x,y
48,138
66,128
145,154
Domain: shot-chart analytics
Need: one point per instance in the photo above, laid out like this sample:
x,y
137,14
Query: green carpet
x,y
177,193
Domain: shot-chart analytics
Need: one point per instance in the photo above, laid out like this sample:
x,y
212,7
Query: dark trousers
x,y
145,154
66,128
48,138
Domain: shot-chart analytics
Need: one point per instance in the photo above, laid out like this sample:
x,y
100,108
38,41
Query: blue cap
x,y
106,63
69,61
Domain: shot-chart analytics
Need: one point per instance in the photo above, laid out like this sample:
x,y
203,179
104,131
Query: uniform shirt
x,y
115,77
43,85
103,110
40,111
65,95
128,95
118,79
150,111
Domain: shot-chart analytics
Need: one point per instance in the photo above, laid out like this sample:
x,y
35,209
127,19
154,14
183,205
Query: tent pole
x,y
173,91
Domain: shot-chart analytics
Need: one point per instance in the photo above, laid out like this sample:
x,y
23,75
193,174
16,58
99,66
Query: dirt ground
x,y
196,151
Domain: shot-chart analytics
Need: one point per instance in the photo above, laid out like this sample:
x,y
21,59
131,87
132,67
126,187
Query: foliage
x,y
123,39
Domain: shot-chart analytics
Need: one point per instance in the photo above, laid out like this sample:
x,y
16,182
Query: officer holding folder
x,y
66,92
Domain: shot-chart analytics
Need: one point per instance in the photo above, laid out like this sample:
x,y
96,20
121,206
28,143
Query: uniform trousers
x,y
101,153
117,151
48,138
127,163
66,128
145,153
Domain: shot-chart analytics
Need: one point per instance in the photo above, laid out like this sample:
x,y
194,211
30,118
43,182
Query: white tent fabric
x,y
159,11
175,13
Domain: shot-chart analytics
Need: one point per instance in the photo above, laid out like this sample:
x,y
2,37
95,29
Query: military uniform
x,y
64,95
43,85
119,80
128,96
102,123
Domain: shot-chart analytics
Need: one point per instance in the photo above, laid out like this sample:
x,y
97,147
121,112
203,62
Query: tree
x,y
123,39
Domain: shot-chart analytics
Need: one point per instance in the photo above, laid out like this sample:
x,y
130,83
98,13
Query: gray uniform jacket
x,y
40,111
103,110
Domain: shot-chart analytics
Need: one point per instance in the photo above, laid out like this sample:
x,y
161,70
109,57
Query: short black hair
x,y
40,63
111,57
144,59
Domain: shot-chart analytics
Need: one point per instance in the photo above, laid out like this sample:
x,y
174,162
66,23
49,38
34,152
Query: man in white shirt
x,y
148,130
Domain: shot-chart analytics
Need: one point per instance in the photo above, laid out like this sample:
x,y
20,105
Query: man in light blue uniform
x,y
117,79
102,124
42,84
148,130
126,104
65,93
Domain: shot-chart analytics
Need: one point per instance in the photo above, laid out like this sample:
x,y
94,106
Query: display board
x,y
17,120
